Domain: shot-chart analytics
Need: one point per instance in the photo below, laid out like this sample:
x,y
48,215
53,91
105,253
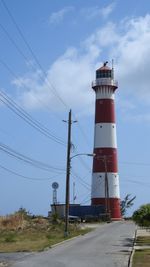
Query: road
x,y
107,246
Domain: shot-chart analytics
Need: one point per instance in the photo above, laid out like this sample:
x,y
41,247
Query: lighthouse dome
x,y
104,71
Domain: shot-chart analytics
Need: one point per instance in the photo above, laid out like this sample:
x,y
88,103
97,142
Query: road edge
x,y
132,250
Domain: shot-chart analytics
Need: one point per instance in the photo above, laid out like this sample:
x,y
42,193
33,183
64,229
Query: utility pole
x,y
106,186
68,167
107,206
74,196
106,202
68,176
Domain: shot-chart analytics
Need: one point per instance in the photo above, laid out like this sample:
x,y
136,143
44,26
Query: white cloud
x,y
57,17
133,59
72,73
95,11
106,11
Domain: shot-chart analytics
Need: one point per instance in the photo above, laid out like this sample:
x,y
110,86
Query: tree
x,y
126,203
142,215
23,213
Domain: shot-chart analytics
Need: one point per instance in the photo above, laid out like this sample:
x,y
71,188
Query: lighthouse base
x,y
113,204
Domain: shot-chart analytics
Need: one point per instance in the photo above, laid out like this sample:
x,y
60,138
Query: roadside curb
x,y
67,240
64,241
132,250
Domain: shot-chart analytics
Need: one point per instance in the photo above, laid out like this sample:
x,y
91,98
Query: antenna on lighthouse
x,y
112,69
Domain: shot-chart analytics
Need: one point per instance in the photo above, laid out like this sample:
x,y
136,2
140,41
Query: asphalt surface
x,y
107,246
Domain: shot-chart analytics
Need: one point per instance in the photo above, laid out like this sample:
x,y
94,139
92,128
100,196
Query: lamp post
x,y
66,233
83,154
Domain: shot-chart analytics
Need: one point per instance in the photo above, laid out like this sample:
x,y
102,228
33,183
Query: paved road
x,y
107,246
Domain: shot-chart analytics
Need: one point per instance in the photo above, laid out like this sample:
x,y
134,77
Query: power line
x,y
50,85
27,117
137,182
81,130
86,166
26,59
135,163
32,53
86,199
80,182
12,105
13,42
27,177
85,184
47,108
26,159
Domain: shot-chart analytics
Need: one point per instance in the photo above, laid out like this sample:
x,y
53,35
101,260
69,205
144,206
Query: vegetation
x,y
143,241
126,203
23,232
142,215
141,258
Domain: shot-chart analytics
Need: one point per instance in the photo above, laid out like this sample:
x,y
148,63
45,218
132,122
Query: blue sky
x,y
49,55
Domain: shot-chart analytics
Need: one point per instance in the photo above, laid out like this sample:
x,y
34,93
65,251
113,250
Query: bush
x,y
142,215
10,237
23,213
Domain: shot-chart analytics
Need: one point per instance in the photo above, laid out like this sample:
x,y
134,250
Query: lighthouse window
x,y
98,75
100,126
103,74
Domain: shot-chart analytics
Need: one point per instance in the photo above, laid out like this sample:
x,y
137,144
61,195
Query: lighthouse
x,y
105,178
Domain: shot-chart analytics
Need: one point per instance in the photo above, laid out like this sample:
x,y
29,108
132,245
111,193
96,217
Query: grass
x,y
143,241
141,258
20,235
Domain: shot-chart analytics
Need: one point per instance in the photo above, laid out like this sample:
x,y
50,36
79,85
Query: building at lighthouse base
x,y
82,212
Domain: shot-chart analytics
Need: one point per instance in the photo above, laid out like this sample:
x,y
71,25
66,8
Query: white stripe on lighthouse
x,y
98,185
105,135
105,93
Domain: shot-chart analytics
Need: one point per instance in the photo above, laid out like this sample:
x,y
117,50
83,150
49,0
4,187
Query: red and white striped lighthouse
x,y
105,179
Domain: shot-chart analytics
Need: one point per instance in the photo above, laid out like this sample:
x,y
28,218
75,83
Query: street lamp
x,y
68,188
83,154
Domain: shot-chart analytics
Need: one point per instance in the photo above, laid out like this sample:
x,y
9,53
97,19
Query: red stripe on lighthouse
x,y
104,111
98,161
114,206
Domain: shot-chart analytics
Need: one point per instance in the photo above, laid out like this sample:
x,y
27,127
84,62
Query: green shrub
x,y
142,215
10,238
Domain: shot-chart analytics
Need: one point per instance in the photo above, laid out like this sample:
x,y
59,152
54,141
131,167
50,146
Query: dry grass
x,y
13,222
31,234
